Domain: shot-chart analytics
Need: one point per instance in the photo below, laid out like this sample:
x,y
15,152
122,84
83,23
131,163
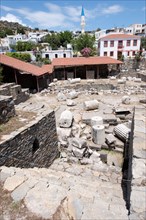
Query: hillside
x,y
8,28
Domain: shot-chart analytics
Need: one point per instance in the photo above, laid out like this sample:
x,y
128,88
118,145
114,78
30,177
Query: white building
x,y
137,29
51,54
117,45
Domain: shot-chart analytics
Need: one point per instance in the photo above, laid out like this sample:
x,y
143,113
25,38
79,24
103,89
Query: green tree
x,y
21,30
83,41
24,46
65,38
21,56
53,40
143,43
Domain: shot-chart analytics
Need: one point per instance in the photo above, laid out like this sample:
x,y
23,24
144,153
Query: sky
x,y
65,15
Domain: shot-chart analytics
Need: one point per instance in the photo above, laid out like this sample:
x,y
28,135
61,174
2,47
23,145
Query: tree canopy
x,y
59,39
83,41
21,56
24,46
143,43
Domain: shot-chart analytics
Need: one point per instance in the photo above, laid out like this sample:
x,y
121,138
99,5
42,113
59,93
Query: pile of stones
x,y
82,136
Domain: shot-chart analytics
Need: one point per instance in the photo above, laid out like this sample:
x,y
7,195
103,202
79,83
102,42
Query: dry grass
x,y
19,120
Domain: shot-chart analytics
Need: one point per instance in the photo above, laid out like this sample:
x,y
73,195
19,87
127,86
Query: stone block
x,y
79,143
66,119
79,153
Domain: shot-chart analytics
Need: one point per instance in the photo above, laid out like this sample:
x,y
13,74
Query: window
x,y
128,42
128,53
35,146
111,43
56,55
111,53
120,44
105,43
133,53
105,53
64,55
47,56
134,42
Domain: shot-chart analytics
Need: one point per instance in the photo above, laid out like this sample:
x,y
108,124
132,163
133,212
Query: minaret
x,y
83,21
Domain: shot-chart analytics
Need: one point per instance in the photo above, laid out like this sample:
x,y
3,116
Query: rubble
x,y
61,97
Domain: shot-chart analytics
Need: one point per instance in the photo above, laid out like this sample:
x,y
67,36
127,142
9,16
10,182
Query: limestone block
x,y
70,102
137,79
63,134
61,96
110,139
51,84
76,130
95,157
126,99
79,153
66,119
113,77
55,80
120,81
91,105
72,95
96,120
98,133
79,143
75,80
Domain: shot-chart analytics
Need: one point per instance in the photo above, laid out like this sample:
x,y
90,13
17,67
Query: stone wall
x,y
131,64
34,145
89,85
7,109
18,94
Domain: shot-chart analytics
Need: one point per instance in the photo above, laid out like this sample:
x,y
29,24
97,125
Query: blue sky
x,y
65,15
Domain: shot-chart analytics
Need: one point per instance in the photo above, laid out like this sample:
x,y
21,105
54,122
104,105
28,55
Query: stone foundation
x,y
34,145
7,109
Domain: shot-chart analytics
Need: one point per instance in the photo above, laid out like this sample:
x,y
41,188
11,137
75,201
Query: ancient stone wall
x,y
7,109
131,64
89,85
18,94
34,145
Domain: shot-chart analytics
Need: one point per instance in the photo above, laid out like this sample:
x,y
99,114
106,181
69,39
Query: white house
x,y
137,29
50,54
116,45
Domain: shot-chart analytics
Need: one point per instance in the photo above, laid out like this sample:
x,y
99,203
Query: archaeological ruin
x,y
80,140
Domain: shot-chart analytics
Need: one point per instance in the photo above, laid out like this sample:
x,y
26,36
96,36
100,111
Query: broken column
x,y
91,105
122,132
96,120
66,119
75,80
98,133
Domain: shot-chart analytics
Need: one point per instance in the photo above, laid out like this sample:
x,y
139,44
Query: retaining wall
x,y
34,145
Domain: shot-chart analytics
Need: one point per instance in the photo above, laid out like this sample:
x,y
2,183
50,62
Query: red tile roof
x,y
48,67
81,61
21,65
120,36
